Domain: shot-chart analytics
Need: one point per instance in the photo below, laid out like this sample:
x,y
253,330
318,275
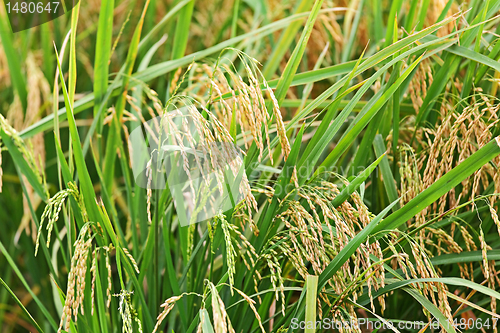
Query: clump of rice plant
x,y
262,164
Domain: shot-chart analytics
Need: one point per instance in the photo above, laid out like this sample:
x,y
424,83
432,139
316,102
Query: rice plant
x,y
251,166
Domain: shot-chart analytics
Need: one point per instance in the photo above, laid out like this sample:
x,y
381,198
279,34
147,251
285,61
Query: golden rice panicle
x,y
484,248
149,191
444,239
222,322
247,104
491,284
243,210
307,239
76,279
246,249
175,79
134,263
33,150
464,132
435,9
466,270
200,325
411,181
495,218
424,269
94,276
251,303
493,305
67,309
219,312
271,259
167,306
276,278
108,268
27,153
81,274
280,126
417,89
38,96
